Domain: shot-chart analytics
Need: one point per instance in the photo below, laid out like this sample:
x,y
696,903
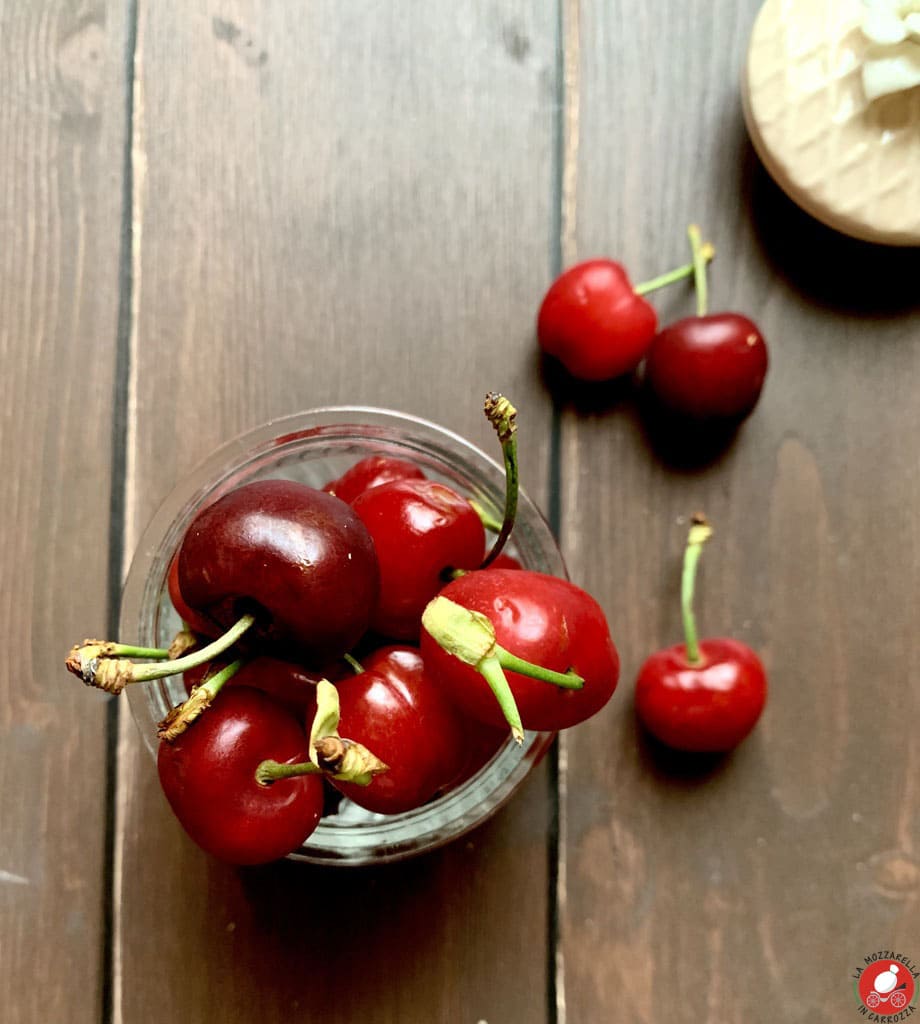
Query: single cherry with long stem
x,y
710,366
702,695
596,323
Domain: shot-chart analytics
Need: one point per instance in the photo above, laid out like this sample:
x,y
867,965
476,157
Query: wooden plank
x,y
748,889
334,205
61,125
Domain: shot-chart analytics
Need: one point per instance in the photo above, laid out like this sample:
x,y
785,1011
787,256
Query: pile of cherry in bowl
x,y
358,639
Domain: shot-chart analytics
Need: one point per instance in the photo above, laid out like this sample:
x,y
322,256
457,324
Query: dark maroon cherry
x,y
209,777
708,367
299,559
420,529
372,472
195,622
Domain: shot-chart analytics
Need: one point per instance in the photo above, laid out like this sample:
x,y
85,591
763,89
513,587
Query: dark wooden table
x,y
214,214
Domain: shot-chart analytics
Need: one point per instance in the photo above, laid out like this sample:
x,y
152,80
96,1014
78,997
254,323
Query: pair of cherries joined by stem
x,y
708,367
702,696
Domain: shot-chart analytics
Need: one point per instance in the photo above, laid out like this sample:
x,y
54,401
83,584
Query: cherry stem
x,y
565,680
145,673
700,532
678,274
699,269
115,650
198,701
486,518
271,771
502,415
491,670
214,682
354,664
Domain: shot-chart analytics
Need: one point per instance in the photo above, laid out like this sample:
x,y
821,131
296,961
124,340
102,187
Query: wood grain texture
x,y
334,203
745,889
61,125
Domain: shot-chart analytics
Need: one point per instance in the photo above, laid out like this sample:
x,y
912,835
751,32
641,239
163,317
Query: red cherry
x,y
290,685
197,623
708,367
371,472
504,561
208,776
543,620
299,558
701,695
395,709
420,528
593,321
709,706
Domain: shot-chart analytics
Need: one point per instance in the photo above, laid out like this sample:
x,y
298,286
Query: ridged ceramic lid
x,y
853,164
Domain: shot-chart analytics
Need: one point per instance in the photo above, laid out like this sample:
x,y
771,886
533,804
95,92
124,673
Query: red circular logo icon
x,y
886,987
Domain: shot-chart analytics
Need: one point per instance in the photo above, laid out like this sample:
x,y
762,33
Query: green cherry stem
x,y
93,650
707,252
113,674
353,664
699,269
486,518
198,701
144,673
330,754
470,636
564,680
491,670
700,532
271,771
502,415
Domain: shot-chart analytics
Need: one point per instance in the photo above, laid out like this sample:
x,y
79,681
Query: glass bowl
x,y
315,447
